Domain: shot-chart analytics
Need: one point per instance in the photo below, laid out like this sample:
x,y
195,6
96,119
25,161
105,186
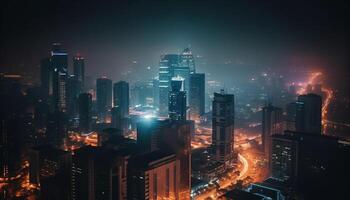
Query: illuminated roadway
x,y
245,164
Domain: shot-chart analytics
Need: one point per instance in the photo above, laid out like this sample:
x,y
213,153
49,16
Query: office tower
x,y
56,128
308,162
183,72
148,133
283,157
223,127
103,97
50,169
118,121
197,96
291,109
121,97
177,100
187,60
11,133
79,70
99,173
142,94
154,175
309,118
85,112
169,136
166,71
73,91
59,64
271,124
156,92
46,77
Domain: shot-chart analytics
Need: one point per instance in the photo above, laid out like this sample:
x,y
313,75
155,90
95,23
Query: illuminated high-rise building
x,y
50,169
121,97
166,71
73,91
223,127
197,96
271,124
85,113
59,64
154,175
187,60
177,100
46,72
79,70
99,173
155,92
103,97
309,117
12,134
169,136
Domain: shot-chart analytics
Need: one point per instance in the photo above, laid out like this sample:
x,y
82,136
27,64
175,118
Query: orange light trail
x,y
327,100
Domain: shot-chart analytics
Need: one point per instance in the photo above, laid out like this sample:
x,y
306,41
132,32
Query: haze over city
x,y
174,100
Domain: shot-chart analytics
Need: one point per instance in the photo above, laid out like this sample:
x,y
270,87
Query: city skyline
x,y
174,100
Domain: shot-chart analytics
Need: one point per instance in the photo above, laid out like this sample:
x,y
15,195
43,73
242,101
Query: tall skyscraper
x,y
50,169
166,71
154,175
306,161
197,96
169,136
223,127
59,65
309,118
184,72
271,124
73,91
121,97
79,70
103,97
156,92
46,77
283,157
99,173
85,113
12,135
177,100
187,60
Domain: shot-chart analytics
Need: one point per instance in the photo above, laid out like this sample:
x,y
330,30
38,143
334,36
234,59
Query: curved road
x,y
245,164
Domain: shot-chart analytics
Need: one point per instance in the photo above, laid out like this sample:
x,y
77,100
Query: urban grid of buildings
x,y
69,140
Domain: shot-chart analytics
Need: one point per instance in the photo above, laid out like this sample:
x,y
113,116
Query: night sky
x,y
113,34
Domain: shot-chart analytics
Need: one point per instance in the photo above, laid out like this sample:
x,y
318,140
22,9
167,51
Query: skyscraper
x,y
46,71
103,97
12,134
79,70
121,97
309,118
59,64
187,60
156,92
169,136
154,175
166,71
283,157
99,173
50,169
85,106
271,124
223,127
177,100
73,91
197,96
